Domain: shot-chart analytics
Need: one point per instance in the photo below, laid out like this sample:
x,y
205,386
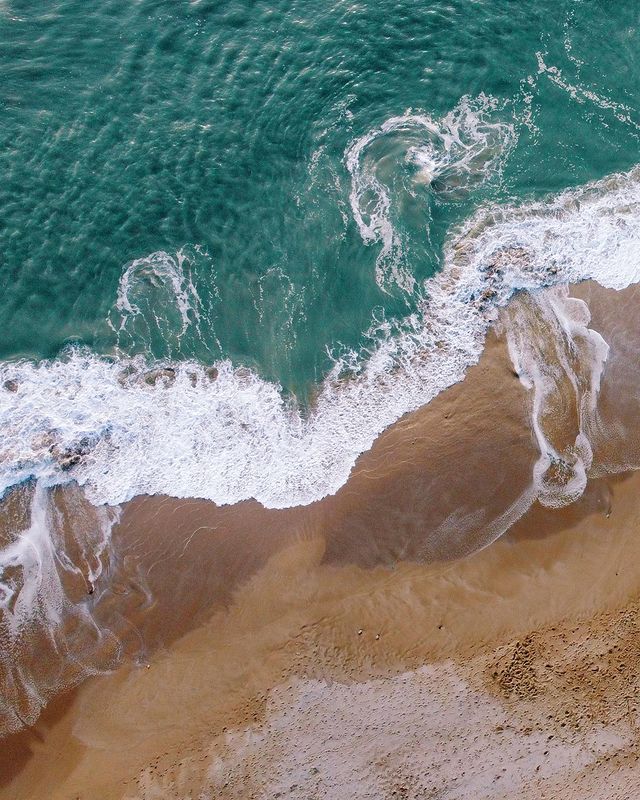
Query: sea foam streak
x,y
48,574
236,437
390,165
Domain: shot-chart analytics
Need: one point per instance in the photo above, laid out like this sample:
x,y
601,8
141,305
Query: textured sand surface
x,y
511,674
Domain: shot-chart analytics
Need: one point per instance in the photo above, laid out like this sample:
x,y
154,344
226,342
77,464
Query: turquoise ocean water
x,y
268,186
221,128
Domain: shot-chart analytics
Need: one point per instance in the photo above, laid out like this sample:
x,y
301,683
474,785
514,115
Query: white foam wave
x,y
588,232
156,295
48,572
405,153
122,429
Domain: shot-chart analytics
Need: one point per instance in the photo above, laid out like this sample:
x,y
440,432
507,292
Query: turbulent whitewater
x,y
124,427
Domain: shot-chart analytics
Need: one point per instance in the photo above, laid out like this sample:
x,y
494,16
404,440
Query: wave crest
x,y
123,428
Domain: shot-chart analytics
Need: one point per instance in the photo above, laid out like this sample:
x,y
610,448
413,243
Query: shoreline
x,y
208,612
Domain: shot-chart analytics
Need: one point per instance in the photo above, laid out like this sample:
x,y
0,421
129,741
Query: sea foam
x,y
126,427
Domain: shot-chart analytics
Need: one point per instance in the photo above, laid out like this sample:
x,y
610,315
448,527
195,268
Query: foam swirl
x,y
392,166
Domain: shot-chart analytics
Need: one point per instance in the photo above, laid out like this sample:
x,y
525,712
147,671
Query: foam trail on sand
x,y
49,570
561,361
31,557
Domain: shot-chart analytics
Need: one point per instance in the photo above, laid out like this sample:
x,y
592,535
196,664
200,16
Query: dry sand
x,y
513,673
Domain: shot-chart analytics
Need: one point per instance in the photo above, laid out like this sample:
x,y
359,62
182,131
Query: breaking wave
x,y
122,427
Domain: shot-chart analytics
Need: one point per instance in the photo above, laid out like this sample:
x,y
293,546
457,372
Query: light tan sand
x,y
465,667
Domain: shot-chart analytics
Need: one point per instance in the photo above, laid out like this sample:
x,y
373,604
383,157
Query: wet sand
x,y
389,639
388,676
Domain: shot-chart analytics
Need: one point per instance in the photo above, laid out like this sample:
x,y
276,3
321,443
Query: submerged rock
x,y
166,375
69,457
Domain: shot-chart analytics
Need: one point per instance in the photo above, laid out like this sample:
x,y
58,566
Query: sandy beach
x,y
511,673
429,631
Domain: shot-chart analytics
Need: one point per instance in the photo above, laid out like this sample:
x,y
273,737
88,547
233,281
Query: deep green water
x,y
220,128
